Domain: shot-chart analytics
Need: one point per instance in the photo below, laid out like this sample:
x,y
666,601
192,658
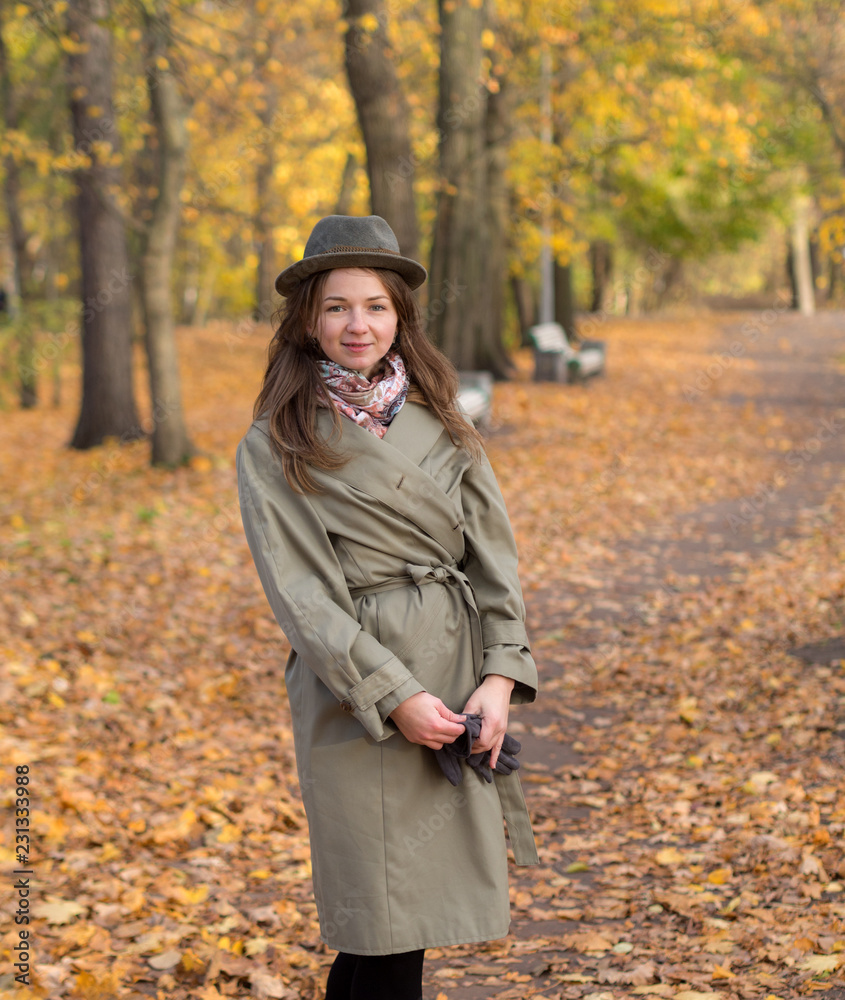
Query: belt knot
x,y
427,574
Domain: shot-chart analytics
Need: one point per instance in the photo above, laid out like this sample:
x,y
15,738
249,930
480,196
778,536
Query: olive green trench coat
x,y
401,577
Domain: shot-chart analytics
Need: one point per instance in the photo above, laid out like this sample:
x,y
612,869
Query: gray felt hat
x,y
350,241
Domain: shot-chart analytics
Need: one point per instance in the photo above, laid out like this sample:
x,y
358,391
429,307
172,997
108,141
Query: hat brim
x,y
413,273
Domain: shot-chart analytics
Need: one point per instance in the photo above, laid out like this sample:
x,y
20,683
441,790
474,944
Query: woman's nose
x,y
356,320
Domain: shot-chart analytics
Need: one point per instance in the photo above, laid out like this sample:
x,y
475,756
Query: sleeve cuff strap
x,y
379,683
399,694
516,663
510,633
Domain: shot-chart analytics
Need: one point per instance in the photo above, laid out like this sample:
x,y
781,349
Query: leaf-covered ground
x,y
681,530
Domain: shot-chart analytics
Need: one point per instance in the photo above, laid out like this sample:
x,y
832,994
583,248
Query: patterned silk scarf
x,y
371,403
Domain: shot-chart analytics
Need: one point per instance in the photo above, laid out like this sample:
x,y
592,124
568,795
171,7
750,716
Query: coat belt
x,y
508,786
420,575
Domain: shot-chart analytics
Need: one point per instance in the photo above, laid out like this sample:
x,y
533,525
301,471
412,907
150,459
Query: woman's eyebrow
x,y
342,298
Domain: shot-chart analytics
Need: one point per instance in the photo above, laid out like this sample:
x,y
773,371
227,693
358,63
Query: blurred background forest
x,y
163,159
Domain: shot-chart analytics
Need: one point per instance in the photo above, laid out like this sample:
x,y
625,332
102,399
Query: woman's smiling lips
x,y
357,348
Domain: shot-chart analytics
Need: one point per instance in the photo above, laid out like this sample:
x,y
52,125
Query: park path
x,y
799,380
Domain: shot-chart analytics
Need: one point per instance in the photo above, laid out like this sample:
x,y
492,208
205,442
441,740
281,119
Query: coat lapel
x,y
388,470
414,431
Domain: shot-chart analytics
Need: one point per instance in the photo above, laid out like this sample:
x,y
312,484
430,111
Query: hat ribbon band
x,y
346,249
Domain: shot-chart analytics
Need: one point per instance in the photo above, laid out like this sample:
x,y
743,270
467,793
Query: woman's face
x,y
357,320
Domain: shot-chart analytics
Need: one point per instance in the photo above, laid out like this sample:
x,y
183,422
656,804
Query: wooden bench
x,y
556,360
475,397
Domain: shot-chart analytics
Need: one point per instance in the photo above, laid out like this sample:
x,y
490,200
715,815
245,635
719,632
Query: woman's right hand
x,y
424,719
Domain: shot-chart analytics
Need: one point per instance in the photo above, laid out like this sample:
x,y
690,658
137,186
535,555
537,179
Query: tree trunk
x,y
108,403
801,256
667,281
266,297
190,289
464,256
526,308
21,263
347,186
601,268
790,273
11,185
565,299
383,114
491,354
27,374
171,445
830,109
816,266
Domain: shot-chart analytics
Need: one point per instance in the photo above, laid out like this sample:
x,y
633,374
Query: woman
x,y
384,548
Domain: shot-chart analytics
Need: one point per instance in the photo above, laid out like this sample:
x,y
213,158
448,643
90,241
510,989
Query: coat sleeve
x,y
491,565
308,594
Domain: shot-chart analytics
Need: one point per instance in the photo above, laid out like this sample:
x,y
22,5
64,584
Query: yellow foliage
x,y
230,834
688,710
369,23
177,829
100,986
189,896
71,46
719,876
670,856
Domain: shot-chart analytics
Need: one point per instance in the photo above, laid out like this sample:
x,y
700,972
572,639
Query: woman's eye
x,y
377,306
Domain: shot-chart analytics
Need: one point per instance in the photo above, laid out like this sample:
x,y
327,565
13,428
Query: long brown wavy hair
x,y
293,389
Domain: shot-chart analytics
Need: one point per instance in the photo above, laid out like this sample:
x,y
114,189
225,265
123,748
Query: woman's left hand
x,y
491,700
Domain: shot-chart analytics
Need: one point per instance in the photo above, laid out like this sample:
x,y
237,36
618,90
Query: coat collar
x,y
388,470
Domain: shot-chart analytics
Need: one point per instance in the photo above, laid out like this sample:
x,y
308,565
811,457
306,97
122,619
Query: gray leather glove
x,y
450,755
505,764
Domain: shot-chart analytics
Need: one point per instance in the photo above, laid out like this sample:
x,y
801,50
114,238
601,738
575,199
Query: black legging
x,y
376,977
